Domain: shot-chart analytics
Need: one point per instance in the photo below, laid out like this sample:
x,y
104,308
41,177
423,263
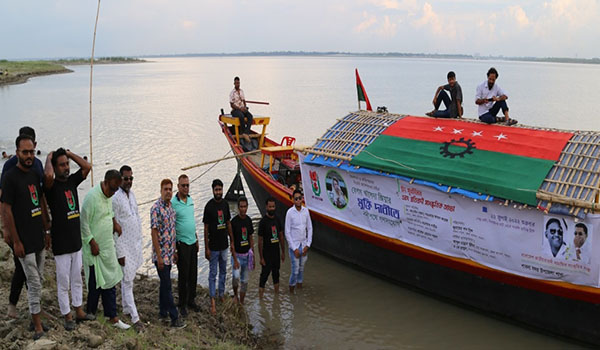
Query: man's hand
x,y
282,257
94,248
263,262
207,253
297,253
19,249
304,251
175,258
117,228
160,263
122,261
236,264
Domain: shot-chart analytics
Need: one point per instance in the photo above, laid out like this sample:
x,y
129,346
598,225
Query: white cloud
x,y
430,19
519,15
368,21
575,13
187,24
387,28
404,5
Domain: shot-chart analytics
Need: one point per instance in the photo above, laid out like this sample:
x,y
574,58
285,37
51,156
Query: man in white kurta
x,y
129,244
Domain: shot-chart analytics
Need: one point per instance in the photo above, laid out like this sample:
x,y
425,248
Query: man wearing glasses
x,y
554,234
129,244
21,197
187,245
298,233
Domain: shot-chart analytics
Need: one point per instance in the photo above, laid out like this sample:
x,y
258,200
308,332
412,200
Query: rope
x,y
389,160
224,157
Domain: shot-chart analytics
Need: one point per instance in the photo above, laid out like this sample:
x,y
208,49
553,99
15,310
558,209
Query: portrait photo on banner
x,y
337,191
566,239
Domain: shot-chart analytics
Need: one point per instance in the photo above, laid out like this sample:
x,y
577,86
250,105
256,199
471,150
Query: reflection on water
x,y
161,116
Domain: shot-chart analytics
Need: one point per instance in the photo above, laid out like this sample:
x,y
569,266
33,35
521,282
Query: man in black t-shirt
x,y
217,231
60,189
242,228
270,241
453,102
21,197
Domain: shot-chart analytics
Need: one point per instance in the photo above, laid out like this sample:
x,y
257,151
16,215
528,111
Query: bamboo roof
x,y
572,184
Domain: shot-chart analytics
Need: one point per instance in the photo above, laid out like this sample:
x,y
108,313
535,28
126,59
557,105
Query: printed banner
x,y
522,241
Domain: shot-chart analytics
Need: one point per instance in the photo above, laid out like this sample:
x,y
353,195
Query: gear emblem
x,y
468,146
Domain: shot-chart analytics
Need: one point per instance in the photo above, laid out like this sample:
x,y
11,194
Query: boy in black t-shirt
x,y
217,231
61,193
270,241
242,228
21,197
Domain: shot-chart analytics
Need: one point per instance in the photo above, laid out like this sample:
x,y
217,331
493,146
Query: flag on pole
x,y
362,93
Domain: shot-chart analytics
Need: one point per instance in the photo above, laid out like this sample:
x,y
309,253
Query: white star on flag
x,y
439,128
500,137
477,133
457,131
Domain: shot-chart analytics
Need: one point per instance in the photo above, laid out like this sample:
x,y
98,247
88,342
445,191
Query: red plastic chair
x,y
288,141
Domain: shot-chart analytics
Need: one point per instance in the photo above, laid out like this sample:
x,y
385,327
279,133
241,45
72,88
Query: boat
x,y
488,216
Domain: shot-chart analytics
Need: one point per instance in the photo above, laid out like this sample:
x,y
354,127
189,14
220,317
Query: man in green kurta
x,y
102,269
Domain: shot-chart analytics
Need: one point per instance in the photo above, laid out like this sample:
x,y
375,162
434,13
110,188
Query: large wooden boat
x,y
452,229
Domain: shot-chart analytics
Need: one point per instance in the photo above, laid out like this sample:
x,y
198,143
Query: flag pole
x,y
91,76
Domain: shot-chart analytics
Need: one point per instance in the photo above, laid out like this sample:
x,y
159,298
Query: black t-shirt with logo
x,y
269,229
216,215
242,230
64,207
21,190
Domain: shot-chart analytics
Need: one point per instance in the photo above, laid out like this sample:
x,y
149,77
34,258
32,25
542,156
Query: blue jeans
x,y
297,271
490,116
217,258
240,274
442,97
166,305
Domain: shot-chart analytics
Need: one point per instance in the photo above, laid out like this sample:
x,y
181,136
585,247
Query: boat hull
x,y
549,307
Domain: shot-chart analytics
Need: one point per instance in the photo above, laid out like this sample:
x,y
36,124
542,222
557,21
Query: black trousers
x,y
244,124
187,264
271,266
17,282
109,297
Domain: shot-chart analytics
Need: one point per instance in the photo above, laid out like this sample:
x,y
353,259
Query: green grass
x,y
29,67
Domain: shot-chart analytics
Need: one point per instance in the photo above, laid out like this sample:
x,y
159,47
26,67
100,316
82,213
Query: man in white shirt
x,y
581,252
129,244
237,101
554,235
490,98
298,233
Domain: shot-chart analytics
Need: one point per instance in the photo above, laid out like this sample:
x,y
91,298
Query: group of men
x,y
489,97
40,209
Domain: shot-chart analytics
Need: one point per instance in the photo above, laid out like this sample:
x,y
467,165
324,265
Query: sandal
x,y
511,122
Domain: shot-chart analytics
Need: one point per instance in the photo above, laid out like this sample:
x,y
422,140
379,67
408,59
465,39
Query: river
x,y
160,116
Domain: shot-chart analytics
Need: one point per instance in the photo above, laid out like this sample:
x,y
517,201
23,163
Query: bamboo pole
x,y
91,76
220,159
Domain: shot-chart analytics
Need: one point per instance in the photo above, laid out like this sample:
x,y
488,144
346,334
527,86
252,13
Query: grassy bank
x,y
229,329
16,72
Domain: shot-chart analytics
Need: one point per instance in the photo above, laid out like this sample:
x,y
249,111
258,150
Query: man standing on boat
x,y
187,245
237,101
100,264
242,229
490,98
162,223
298,232
217,233
61,192
453,103
24,219
270,241
129,244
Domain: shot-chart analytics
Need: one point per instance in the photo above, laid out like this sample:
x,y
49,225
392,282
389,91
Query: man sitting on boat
x,y
491,99
237,101
453,102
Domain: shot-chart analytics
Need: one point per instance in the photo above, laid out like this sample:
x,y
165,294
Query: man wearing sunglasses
x,y
554,234
298,233
129,243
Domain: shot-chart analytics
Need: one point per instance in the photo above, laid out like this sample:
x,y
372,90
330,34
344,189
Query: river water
x,y
162,115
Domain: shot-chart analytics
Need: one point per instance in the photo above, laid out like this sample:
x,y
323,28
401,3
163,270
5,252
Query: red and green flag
x,y
362,93
506,162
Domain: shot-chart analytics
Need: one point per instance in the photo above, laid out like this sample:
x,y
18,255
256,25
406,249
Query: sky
x,y
64,28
